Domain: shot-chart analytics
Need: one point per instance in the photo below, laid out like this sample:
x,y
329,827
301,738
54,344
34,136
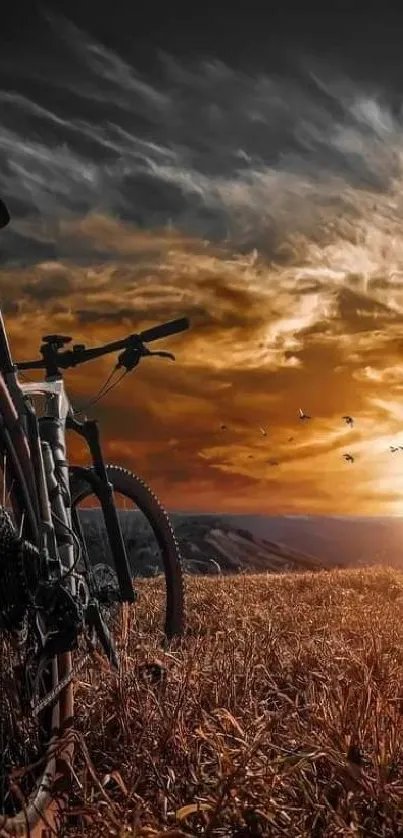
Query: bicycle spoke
x,y
22,524
4,477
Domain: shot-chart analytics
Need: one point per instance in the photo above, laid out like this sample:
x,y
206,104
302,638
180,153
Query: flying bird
x,y
224,428
290,439
273,462
262,431
349,420
394,448
303,415
348,458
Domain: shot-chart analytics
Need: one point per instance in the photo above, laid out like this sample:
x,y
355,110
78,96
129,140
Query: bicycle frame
x,y
47,445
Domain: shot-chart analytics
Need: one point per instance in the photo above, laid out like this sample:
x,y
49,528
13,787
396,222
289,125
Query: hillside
x,y
255,543
337,540
279,714
332,540
208,543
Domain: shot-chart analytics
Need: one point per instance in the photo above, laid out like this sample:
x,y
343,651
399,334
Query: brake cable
x,y
78,556
129,358
108,389
102,391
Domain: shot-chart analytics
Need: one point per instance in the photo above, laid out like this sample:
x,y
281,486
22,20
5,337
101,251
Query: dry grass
x,y
281,714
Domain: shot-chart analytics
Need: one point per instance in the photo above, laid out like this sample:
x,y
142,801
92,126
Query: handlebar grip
x,y
165,329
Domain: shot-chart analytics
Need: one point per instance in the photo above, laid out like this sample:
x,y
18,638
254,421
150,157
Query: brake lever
x,y
162,354
130,358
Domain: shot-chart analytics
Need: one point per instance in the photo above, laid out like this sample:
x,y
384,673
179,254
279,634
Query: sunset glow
x,y
289,265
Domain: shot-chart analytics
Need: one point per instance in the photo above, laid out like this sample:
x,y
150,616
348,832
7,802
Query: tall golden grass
x,y
279,714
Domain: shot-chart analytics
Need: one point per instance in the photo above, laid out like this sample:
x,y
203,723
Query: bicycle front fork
x,y
98,480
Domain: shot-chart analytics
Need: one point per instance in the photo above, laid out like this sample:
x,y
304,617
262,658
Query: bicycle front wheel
x,y
150,542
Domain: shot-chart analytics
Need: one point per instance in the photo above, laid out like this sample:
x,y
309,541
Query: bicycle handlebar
x,y
80,355
172,327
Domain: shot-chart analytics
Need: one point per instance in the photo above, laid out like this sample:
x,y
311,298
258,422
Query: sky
x,y
246,172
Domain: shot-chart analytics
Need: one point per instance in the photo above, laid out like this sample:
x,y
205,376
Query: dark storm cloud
x,y
210,149
55,285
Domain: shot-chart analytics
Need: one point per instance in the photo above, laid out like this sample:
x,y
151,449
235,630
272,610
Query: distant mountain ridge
x,y
315,541
335,540
232,543
234,549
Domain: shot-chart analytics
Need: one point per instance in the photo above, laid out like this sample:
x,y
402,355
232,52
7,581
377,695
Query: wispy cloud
x,y
213,149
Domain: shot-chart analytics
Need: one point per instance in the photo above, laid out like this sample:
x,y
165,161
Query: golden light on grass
x,y
279,713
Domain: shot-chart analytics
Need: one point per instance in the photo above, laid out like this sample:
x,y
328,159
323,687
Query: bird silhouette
x,y
303,416
348,458
273,462
394,448
290,439
349,420
262,431
224,428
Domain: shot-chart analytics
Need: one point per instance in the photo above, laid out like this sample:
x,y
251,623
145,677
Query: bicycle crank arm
x,y
107,643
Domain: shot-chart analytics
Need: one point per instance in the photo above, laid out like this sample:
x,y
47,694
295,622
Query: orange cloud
x,y
266,339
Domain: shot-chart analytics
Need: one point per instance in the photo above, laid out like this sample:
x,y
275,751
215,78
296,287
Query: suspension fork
x,y
98,479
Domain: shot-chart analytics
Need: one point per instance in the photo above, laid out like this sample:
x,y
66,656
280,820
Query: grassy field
x,y
279,714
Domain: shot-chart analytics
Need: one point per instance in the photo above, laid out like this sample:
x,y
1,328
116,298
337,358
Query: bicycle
x,y
42,493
